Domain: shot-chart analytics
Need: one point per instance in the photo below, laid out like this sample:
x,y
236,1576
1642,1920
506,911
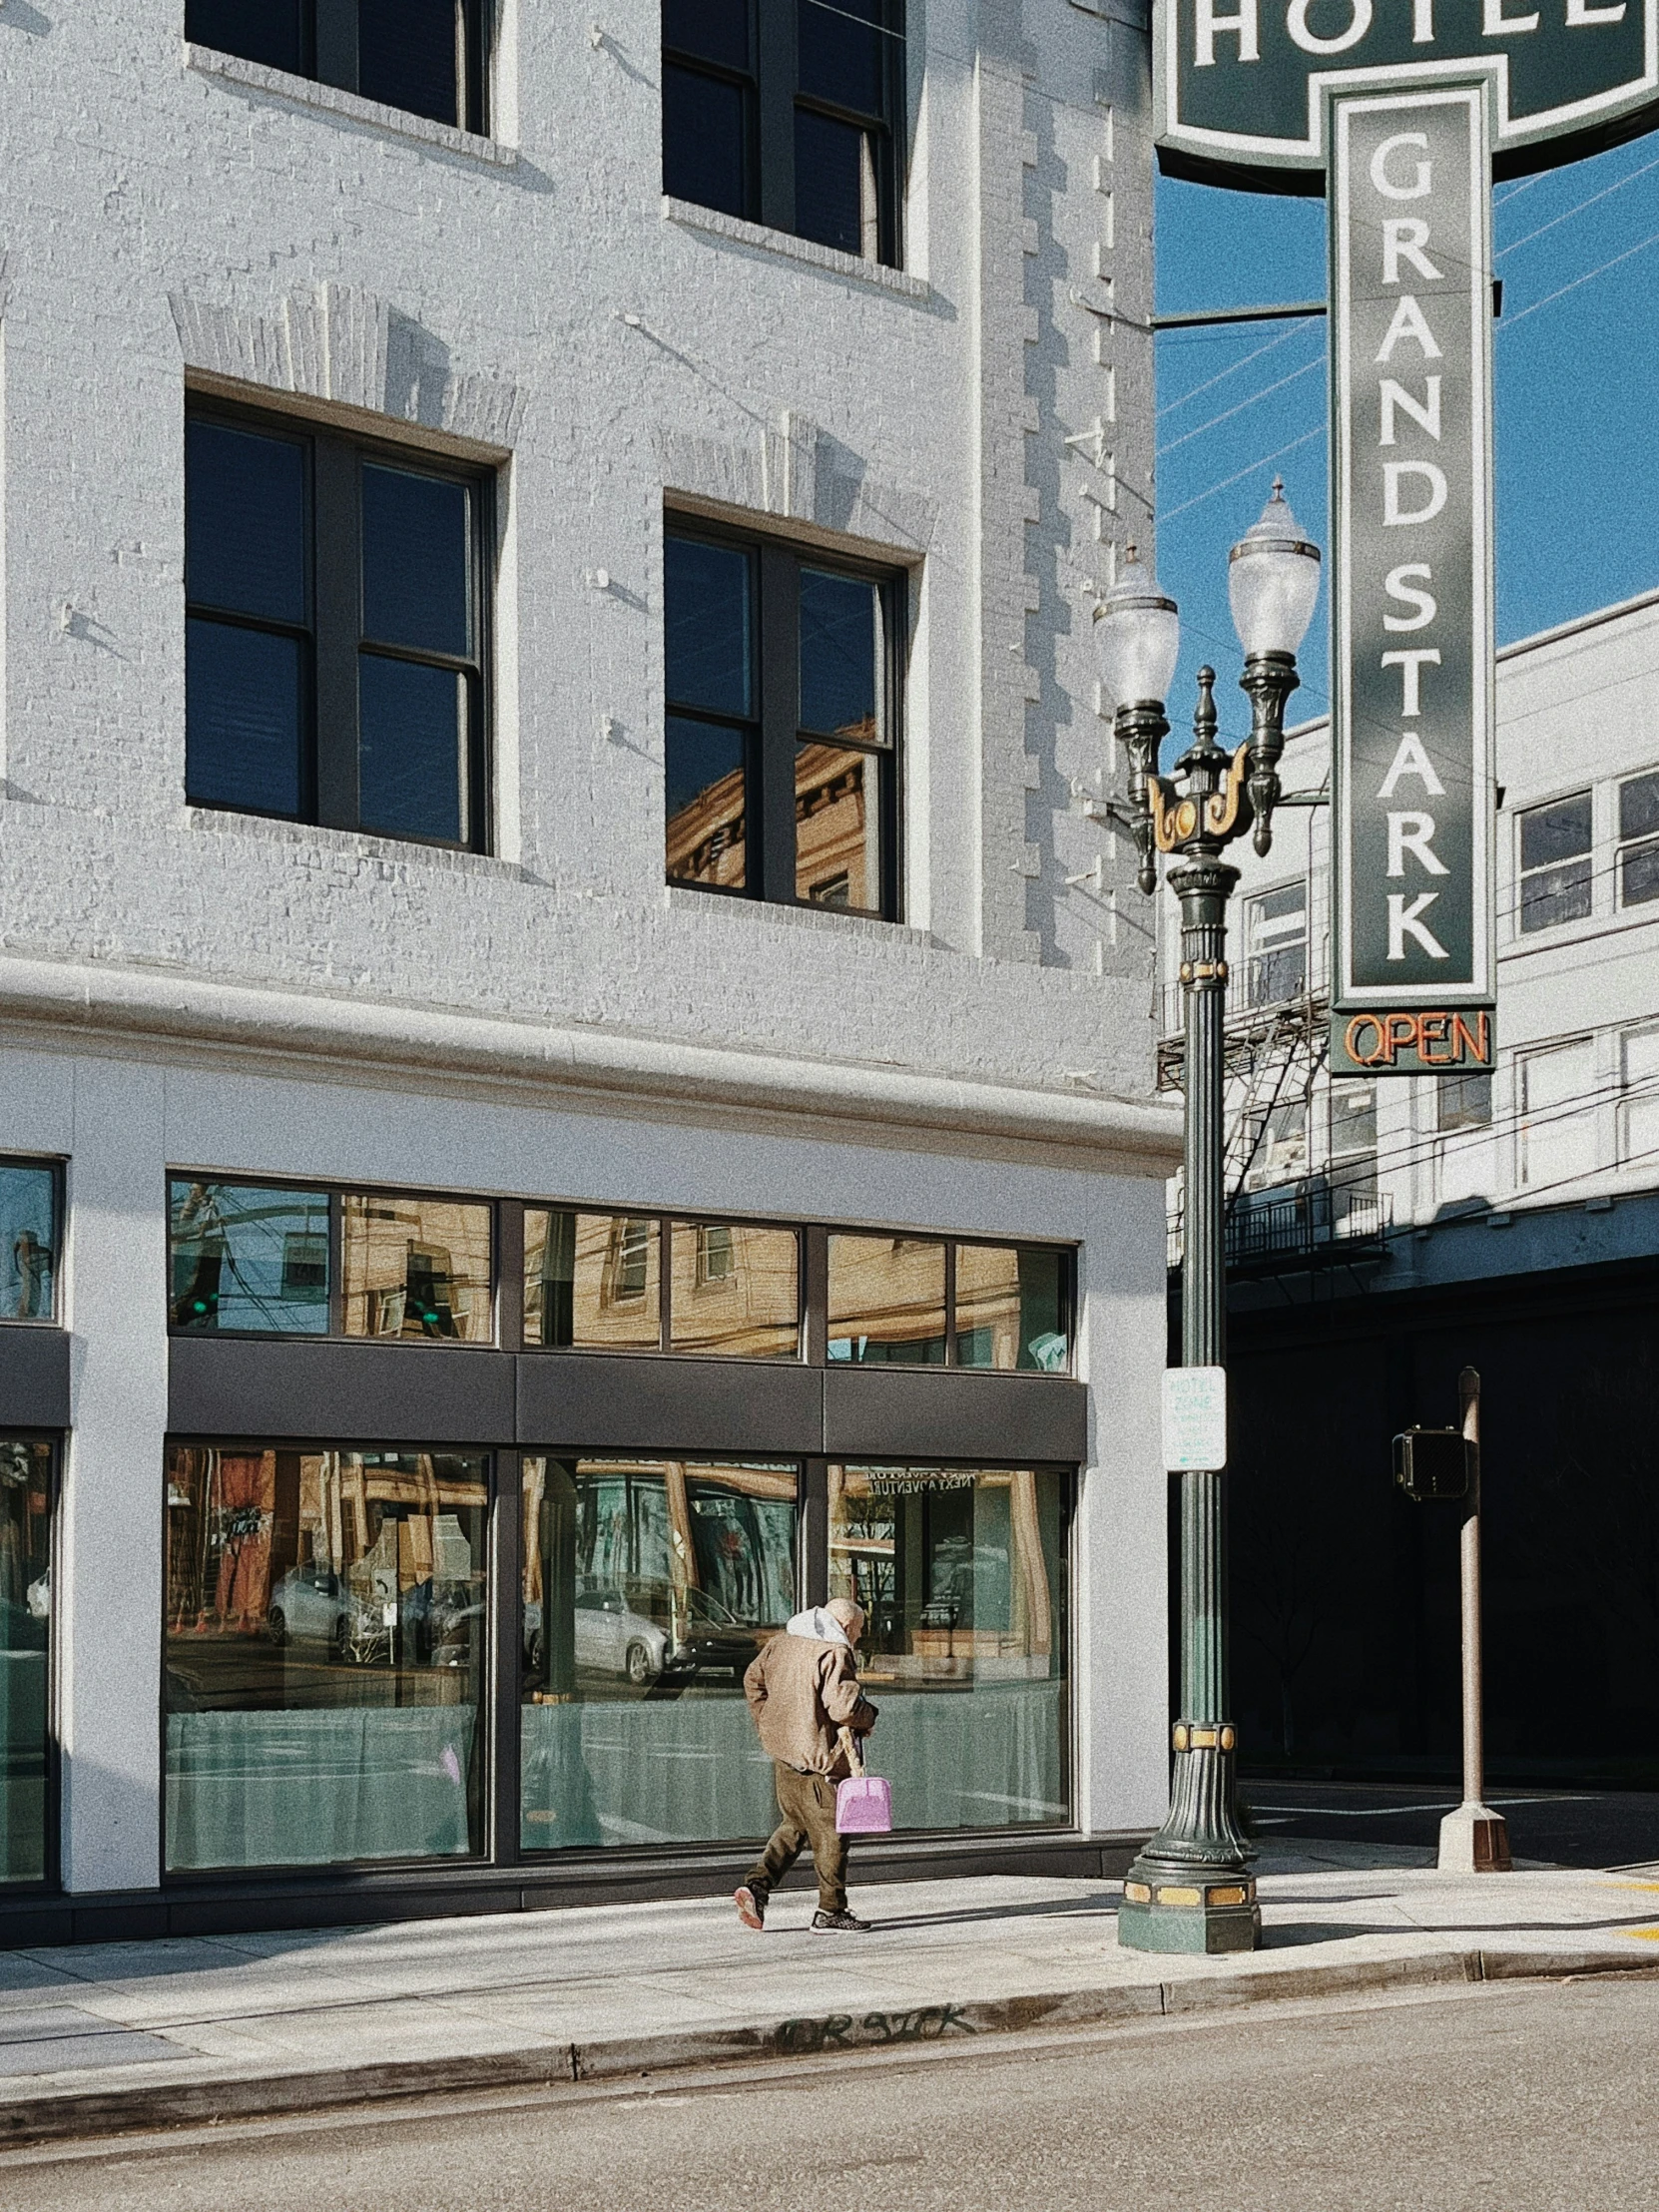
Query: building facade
x,y
556,1100
1384,1234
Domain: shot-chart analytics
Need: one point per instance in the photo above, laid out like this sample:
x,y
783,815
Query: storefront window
x,y
247,1257
887,1301
737,1290
25,1624
962,1575
325,1655
28,1241
592,1280
649,1586
1013,1307
416,1267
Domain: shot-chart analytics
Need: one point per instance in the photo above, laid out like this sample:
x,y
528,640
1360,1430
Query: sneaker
x,y
841,1919
751,1908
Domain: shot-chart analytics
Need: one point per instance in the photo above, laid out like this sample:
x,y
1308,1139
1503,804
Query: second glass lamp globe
x,y
1273,580
1137,636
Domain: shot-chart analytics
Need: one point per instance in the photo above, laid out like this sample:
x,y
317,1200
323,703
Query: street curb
x,y
29,2120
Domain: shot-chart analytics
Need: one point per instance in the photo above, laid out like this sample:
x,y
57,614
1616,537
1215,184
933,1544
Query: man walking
x,y
803,1690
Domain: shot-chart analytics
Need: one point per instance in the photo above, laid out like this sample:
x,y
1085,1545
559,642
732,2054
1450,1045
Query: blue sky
x,y
1576,359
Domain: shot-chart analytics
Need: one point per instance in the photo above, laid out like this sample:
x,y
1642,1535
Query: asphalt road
x,y
1563,1828
1518,2099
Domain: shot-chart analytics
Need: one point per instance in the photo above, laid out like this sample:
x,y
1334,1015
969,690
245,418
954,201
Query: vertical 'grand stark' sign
x,y
1411,358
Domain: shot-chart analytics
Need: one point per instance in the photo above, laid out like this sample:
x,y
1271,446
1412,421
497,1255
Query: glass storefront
x,y
325,1655
326,1633
962,1577
648,1587
25,1637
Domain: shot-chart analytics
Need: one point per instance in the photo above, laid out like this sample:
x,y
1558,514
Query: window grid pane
x,y
28,1241
324,1627
25,1659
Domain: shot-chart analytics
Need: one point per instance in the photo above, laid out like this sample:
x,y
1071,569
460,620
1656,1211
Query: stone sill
x,y
683,899
788,247
305,92
321,843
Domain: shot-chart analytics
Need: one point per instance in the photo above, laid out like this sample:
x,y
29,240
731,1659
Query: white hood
x,y
819,1626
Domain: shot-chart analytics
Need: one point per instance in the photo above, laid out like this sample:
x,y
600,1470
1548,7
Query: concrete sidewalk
x,y
126,2035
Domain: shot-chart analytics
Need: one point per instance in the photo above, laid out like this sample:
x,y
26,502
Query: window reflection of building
x,y
415,1267
28,1241
593,1281
836,828
707,836
887,1300
737,1290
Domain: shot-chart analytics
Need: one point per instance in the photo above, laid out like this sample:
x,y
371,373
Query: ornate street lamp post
x,y
1191,1889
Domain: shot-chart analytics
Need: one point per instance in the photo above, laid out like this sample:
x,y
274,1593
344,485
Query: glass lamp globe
x,y
1137,636
1273,580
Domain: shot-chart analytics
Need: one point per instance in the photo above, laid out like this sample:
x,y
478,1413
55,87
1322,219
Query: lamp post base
x,y
1474,1839
1199,1911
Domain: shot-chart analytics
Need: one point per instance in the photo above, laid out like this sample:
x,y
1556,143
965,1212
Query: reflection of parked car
x,y
307,1603
706,1637
613,1639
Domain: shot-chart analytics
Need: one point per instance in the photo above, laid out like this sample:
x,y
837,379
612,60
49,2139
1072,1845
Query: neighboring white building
x,y
436,1348
1404,1179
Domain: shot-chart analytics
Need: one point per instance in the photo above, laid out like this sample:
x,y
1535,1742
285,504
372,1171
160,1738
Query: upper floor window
x,y
1555,862
1638,865
1639,1104
1557,1114
787,115
782,694
428,57
28,1241
1276,936
336,632
1463,1099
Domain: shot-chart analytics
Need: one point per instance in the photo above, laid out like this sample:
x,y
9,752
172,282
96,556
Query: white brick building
x,y
335,943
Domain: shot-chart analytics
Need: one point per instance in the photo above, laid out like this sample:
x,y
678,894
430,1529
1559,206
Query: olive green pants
x,y
808,1804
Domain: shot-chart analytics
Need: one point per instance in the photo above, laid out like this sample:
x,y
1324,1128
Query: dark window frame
x,y
333,637
1634,844
772,99
330,54
773,728
54,1166
1531,917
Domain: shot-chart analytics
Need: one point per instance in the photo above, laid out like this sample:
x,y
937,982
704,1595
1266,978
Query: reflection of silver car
x,y
307,1603
611,1638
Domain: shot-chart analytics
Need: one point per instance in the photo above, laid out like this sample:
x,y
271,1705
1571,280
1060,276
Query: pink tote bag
x,y
863,1802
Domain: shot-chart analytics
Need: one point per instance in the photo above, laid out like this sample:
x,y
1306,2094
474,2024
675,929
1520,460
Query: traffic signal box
x,y
1432,1463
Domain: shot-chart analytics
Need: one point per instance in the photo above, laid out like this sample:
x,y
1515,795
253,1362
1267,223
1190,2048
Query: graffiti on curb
x,y
925,2023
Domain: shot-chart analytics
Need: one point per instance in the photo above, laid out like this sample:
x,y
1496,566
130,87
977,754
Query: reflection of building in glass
x,y
415,1267
737,1290
707,836
887,1300
837,828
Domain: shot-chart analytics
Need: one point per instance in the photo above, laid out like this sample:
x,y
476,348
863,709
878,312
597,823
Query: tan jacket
x,y
802,1693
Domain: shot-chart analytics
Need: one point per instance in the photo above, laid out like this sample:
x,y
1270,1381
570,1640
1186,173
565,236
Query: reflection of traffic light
x,y
197,1305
